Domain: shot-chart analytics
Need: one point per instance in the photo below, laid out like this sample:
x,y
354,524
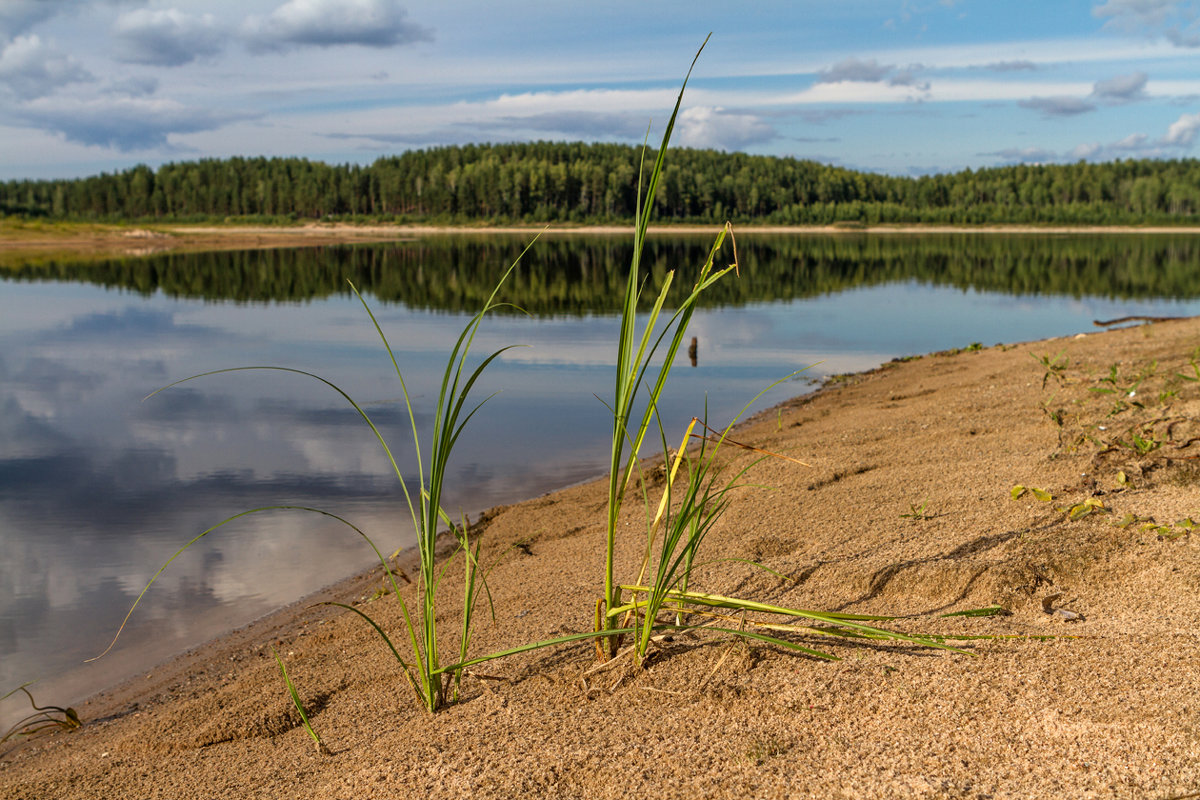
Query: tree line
x,y
570,275
598,183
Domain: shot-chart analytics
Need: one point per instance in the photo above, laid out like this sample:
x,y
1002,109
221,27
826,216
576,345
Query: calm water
x,y
98,487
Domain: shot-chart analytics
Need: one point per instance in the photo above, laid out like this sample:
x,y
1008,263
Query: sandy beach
x,y
22,243
907,509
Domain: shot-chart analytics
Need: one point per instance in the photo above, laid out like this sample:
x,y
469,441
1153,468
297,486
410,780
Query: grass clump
x,y
704,497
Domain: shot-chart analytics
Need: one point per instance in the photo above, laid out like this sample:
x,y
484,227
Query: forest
x,y
584,275
597,183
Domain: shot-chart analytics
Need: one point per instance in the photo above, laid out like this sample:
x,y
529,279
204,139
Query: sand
x,y
1109,707
32,242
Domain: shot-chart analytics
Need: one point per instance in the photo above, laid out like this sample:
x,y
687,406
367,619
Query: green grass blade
x,y
525,648
299,706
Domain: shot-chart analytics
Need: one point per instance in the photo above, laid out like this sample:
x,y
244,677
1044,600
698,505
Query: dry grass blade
x,y
44,718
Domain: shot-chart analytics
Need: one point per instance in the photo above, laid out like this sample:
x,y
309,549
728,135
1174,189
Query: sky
x,y
904,87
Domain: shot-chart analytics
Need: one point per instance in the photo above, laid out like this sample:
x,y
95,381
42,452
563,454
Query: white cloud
x,y
1134,141
1125,13
715,128
909,77
1122,88
1025,155
30,68
1176,20
1182,132
120,123
328,23
1082,152
166,38
1060,106
852,69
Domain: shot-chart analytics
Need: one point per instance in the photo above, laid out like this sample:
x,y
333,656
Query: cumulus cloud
x,y
1060,106
1180,135
1082,152
1177,20
121,123
852,69
31,68
1024,155
1182,132
1132,142
714,127
18,16
329,23
1122,89
908,77
166,38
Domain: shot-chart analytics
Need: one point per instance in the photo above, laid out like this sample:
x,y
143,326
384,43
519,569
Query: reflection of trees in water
x,y
578,275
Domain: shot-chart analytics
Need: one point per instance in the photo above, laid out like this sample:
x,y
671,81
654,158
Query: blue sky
x,y
897,86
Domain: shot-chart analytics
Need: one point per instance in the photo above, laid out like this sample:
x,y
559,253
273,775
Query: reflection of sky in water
x,y
98,488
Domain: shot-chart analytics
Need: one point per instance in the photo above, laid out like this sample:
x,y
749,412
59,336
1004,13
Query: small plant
x,y
1131,519
1080,510
1194,363
1055,367
763,749
1057,415
1166,533
299,706
42,720
1124,391
1141,445
918,512
973,347
1041,494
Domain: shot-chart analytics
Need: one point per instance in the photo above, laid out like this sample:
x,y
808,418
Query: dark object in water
x,y
1137,318
692,350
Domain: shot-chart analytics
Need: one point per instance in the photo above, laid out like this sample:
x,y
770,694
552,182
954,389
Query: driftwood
x,y
1119,320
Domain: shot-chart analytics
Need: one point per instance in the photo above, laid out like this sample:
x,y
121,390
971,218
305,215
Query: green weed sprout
x,y
299,706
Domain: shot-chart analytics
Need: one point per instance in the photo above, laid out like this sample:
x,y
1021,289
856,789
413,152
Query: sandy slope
x,y
1110,708
31,242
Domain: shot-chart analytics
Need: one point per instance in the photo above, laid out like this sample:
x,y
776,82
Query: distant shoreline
x,y
40,242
